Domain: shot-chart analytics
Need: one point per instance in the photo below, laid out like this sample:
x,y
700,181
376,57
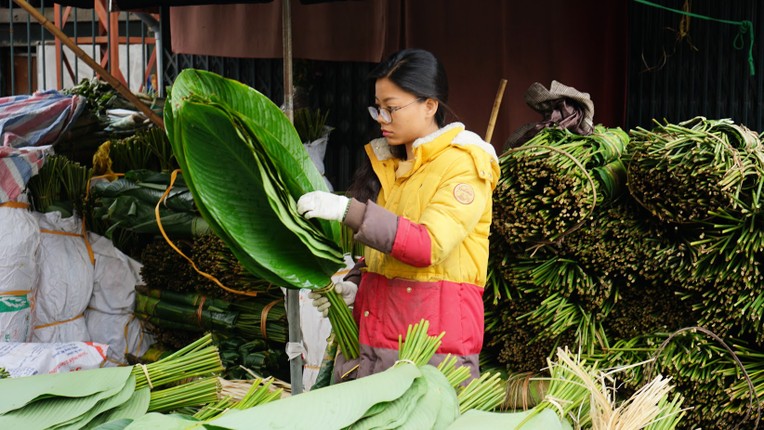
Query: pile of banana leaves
x,y
411,394
128,203
178,303
89,398
246,167
415,395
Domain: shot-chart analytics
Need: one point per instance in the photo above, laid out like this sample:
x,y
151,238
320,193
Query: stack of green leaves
x,y
128,203
411,394
551,184
199,313
71,400
89,398
246,167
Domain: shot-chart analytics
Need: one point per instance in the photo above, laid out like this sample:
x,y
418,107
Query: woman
x,y
426,224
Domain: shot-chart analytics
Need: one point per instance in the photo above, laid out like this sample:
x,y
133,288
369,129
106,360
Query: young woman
x,y
423,210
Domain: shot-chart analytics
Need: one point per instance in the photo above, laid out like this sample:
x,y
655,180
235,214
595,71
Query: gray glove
x,y
324,205
345,289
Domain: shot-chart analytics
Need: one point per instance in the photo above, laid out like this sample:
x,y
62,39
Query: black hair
x,y
420,73
417,72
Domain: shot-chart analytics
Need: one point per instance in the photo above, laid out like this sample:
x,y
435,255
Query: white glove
x,y
345,289
324,205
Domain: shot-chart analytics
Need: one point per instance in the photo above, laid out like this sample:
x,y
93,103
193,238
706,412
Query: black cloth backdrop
x,y
581,44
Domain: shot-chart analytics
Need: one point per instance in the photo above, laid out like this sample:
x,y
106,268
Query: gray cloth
x,y
561,106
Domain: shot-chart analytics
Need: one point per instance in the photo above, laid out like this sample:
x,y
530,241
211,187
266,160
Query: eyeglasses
x,y
386,114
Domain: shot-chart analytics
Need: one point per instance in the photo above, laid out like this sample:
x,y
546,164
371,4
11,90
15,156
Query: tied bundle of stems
x,y
60,185
258,317
553,182
418,347
706,176
200,358
343,325
685,172
456,375
588,397
194,393
45,186
212,256
259,391
310,123
711,383
484,393
147,149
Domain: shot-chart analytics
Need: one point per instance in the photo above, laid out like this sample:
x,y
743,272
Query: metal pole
x,y
292,295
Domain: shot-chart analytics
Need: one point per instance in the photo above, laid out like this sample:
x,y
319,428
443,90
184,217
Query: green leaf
x,y
334,407
241,207
272,128
481,420
246,166
125,413
122,397
52,411
16,393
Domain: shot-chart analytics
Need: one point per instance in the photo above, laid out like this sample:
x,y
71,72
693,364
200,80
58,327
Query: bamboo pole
x,y
114,82
495,110
292,295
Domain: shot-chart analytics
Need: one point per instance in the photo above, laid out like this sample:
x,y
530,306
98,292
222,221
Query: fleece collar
x,y
465,138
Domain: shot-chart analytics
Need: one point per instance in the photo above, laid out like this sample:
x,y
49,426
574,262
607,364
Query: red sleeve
x,y
412,244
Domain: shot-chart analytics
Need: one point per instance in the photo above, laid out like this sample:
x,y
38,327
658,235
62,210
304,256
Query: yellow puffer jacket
x,y
453,172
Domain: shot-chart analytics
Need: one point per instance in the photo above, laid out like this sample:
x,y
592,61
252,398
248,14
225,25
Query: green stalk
x,y
343,325
194,393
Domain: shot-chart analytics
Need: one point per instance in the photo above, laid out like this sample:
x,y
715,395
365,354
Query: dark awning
x,y
148,4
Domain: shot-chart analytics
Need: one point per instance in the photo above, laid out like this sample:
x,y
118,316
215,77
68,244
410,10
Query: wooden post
x,y
495,110
292,295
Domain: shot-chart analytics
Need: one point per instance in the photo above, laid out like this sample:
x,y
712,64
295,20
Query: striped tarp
x,y
17,166
37,119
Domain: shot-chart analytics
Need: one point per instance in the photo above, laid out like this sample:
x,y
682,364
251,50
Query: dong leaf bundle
x,y
246,167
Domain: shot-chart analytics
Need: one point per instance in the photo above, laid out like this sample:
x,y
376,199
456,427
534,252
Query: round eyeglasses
x,y
386,114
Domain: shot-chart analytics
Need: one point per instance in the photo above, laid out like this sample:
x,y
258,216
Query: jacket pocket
x,y
407,303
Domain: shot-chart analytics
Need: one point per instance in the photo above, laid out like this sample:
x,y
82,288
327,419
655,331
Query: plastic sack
x,y
66,281
109,317
123,333
316,150
26,359
20,235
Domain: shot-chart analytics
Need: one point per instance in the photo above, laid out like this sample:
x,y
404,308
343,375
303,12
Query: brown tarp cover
x,y
581,44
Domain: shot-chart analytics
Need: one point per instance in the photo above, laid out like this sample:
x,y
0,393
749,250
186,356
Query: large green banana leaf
x,y
175,135
274,131
245,165
213,144
335,407
15,393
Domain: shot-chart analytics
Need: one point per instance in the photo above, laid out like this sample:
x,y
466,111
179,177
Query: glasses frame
x,y
387,112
